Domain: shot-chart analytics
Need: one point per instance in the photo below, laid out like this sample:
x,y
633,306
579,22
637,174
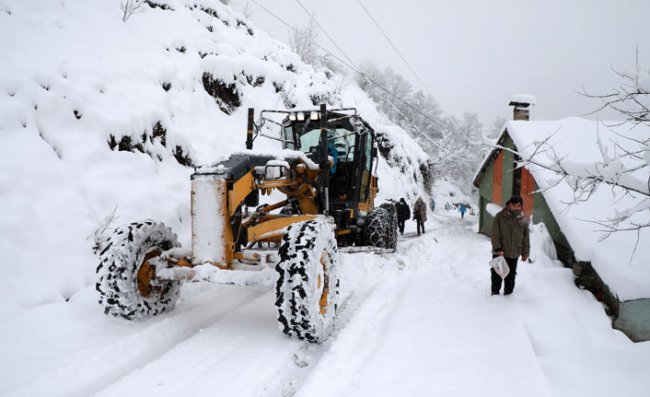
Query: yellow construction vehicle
x,y
326,173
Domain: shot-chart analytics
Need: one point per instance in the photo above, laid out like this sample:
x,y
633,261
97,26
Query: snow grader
x,y
326,174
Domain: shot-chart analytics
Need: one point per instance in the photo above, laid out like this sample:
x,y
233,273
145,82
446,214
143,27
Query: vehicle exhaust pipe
x,y
251,125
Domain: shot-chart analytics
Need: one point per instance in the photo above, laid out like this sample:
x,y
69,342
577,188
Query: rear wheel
x,y
307,290
391,225
378,229
126,277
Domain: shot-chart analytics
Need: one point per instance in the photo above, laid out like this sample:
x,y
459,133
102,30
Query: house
x,y
617,268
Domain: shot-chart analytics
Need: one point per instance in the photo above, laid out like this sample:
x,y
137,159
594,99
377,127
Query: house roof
x,y
583,147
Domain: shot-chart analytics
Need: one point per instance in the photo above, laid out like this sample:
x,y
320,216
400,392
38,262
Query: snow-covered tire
x,y
126,281
307,291
376,229
391,228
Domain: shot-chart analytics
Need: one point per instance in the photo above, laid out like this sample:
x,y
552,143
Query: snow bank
x,y
493,209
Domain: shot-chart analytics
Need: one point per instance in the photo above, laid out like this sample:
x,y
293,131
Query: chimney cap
x,y
522,100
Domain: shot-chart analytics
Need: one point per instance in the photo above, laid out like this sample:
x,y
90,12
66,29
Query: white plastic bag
x,y
500,266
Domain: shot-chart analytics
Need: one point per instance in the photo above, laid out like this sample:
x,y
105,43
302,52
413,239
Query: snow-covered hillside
x,y
97,116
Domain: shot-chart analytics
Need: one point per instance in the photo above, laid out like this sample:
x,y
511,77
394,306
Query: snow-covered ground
x,y
417,322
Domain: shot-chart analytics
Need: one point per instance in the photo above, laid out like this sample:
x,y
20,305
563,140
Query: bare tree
x,y
247,10
632,98
128,7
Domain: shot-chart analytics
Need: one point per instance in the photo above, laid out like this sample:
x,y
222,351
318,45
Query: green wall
x,y
485,196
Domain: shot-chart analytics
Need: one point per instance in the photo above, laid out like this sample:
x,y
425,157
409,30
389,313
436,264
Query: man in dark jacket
x,y
420,214
403,214
510,239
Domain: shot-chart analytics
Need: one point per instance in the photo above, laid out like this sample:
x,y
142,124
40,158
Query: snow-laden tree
x,y
454,146
304,42
495,129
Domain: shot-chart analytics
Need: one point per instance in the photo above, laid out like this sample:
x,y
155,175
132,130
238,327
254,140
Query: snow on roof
x,y
621,260
523,99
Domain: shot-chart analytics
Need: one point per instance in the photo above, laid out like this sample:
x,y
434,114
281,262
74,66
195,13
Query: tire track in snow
x,y
233,356
435,254
374,298
102,367
290,379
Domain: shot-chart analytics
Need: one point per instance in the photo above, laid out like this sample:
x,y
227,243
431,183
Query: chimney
x,y
522,104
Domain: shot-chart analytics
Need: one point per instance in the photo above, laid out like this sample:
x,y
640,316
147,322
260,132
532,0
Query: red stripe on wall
x,y
527,188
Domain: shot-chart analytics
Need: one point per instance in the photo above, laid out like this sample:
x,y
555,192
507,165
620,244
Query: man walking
x,y
462,209
420,214
510,239
403,214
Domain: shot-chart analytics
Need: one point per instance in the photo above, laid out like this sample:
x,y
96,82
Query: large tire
x,y
307,290
376,229
391,227
126,281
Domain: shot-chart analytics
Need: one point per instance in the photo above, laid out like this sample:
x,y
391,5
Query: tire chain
x,y
298,322
117,282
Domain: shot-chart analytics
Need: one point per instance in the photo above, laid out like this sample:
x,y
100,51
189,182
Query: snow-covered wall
x,y
97,115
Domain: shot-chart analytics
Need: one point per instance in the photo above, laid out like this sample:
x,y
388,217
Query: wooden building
x,y
626,291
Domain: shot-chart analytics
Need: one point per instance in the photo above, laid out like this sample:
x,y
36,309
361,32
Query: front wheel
x,y
307,290
126,277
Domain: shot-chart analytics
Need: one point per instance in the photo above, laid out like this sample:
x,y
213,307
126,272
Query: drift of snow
x,y
493,209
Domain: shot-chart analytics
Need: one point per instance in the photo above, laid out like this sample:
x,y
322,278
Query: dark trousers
x,y
400,225
420,225
509,281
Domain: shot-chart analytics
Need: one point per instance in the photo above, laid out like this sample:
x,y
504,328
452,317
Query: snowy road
x,y
418,322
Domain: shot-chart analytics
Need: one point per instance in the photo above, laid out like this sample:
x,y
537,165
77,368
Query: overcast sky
x,y
472,55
